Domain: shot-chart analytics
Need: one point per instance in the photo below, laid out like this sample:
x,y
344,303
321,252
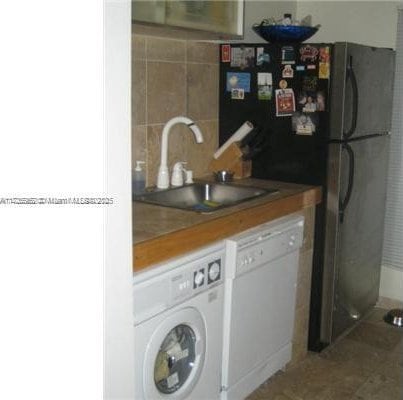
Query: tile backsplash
x,y
170,78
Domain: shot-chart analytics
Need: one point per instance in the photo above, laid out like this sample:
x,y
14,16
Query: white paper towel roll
x,y
236,137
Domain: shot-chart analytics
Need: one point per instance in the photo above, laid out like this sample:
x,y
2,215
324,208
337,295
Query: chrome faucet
x,y
163,173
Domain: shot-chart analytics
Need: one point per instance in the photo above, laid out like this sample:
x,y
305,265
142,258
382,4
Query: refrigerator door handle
x,y
343,203
350,77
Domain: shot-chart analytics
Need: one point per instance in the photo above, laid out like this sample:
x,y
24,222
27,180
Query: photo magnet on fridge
x,y
320,101
238,80
242,57
285,102
324,54
310,102
264,86
237,94
262,57
304,124
226,53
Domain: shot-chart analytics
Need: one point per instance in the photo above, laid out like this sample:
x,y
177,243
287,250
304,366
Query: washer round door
x,y
175,356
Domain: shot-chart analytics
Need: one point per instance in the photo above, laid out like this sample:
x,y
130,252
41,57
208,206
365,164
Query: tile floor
x,y
366,364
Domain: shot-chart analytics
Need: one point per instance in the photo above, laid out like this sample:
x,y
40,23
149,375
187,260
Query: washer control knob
x,y
198,278
214,272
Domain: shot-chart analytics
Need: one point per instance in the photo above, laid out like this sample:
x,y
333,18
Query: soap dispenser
x,y
139,178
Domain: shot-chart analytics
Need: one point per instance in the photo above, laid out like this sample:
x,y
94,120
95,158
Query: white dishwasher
x,y
259,306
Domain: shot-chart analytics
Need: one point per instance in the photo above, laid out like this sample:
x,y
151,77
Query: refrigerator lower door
x,y
353,248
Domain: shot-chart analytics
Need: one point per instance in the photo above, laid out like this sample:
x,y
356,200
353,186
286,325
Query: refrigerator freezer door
x,y
362,89
354,242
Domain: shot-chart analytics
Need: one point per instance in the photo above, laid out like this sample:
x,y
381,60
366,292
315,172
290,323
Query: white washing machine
x,y
260,288
178,332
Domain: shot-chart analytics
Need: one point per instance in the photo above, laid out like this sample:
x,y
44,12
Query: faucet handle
x,y
177,173
189,176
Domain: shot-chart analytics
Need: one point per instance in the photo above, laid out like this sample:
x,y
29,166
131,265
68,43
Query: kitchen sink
x,y
203,197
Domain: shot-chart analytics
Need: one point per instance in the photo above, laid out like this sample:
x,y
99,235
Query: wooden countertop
x,y
160,233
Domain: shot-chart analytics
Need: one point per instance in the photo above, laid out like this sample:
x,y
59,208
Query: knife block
x,y
231,160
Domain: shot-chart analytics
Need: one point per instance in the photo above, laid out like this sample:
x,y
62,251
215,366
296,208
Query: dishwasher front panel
x,y
262,315
260,291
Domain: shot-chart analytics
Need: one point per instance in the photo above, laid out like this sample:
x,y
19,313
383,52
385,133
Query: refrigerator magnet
x,y
311,66
304,124
285,102
310,104
242,57
264,86
324,70
262,57
283,84
238,80
288,72
308,53
237,94
300,68
226,53
324,54
309,83
320,101
287,55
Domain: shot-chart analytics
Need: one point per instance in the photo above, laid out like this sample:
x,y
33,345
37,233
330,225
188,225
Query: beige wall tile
x,y
309,228
301,325
165,86
166,91
202,93
300,336
138,47
303,295
304,279
198,155
202,52
139,92
165,50
298,353
139,144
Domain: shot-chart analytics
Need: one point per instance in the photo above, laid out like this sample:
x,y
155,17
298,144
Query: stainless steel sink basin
x,y
203,197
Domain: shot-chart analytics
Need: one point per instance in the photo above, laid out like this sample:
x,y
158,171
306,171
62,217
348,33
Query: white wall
x,y
118,312
391,283
257,10
366,22
392,271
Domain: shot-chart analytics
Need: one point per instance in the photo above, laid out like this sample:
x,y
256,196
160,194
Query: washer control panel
x,y
168,284
196,278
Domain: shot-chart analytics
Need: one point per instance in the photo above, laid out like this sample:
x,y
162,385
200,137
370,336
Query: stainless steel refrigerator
x,y
346,152
360,125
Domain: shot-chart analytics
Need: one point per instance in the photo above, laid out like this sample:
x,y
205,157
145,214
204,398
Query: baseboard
x,y
387,304
391,286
